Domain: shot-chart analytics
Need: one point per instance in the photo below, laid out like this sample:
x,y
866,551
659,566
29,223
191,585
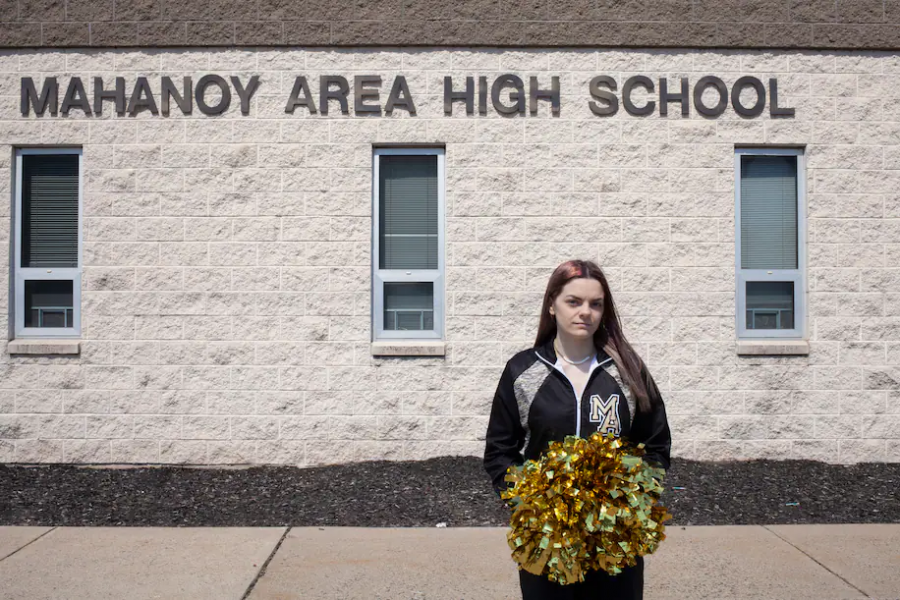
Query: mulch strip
x,y
450,490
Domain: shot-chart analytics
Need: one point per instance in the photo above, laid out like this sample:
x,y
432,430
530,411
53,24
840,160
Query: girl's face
x,y
579,307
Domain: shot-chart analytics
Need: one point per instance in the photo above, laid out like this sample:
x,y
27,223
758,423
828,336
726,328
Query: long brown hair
x,y
609,334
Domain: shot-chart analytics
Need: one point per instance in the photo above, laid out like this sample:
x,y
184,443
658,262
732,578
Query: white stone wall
x,y
227,260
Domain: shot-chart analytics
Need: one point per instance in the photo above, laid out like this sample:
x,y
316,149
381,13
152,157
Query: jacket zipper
x,y
578,414
578,398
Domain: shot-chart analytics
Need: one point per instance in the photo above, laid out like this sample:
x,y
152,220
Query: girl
x,y
581,376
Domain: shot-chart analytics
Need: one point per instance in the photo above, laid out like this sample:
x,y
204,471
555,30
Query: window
x,y
47,259
408,265
771,243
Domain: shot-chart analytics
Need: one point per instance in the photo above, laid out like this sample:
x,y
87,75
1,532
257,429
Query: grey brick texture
x,y
826,24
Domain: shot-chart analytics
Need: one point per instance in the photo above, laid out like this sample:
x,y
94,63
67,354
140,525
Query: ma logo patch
x,y
606,414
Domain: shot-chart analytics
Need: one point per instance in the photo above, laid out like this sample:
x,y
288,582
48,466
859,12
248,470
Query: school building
x,y
280,232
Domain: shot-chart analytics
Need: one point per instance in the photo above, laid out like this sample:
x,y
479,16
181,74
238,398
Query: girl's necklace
x,y
571,362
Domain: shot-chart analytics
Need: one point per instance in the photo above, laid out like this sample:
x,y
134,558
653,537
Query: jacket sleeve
x,y
652,428
505,435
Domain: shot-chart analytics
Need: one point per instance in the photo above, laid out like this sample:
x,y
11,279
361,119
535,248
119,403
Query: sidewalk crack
x,y
262,569
28,544
812,558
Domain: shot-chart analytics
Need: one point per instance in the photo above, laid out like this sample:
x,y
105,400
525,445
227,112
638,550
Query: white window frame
x,y
382,276
21,274
798,276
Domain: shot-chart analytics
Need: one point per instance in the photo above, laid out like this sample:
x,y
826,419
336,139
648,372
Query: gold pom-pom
x,y
585,505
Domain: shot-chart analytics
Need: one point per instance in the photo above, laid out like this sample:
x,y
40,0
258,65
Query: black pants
x,y
597,585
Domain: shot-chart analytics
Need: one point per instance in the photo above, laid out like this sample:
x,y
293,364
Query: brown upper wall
x,y
821,24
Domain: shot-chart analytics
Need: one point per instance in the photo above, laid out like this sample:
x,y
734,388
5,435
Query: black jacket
x,y
535,404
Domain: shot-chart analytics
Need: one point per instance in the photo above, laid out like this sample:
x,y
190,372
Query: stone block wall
x,y
227,260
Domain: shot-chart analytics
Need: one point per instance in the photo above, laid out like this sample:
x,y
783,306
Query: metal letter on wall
x,y
467,96
721,105
665,97
517,96
142,97
75,97
400,97
49,97
612,102
552,94
245,94
300,96
630,84
117,94
361,93
482,95
774,109
340,94
184,98
756,84
224,101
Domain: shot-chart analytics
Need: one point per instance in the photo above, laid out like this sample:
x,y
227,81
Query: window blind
x,y
50,210
408,219
768,212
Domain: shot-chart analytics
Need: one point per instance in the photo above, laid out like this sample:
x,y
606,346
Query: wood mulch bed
x,y
451,490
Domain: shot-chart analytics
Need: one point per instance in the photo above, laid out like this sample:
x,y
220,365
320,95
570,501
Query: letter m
x,y
49,96
600,408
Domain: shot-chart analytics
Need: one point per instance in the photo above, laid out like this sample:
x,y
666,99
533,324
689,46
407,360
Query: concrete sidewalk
x,y
814,562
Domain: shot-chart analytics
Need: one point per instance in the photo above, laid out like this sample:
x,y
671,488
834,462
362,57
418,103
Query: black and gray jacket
x,y
535,404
